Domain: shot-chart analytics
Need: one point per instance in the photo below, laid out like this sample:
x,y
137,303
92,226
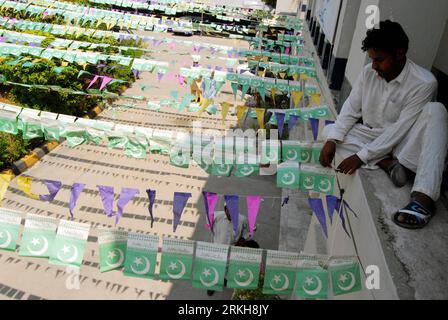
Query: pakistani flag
x,y
9,228
31,128
306,152
112,249
247,170
288,175
312,283
180,159
141,255
221,170
345,277
210,266
317,179
70,243
319,112
270,151
136,147
8,122
244,268
51,129
177,259
290,151
317,149
38,235
280,272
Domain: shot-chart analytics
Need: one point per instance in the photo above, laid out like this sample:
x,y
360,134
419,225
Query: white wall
x,y
441,62
346,28
287,6
357,59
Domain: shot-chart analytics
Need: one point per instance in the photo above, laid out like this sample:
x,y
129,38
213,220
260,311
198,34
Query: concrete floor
x,y
28,278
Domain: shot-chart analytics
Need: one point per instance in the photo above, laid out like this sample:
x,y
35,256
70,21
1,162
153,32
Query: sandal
x,y
415,216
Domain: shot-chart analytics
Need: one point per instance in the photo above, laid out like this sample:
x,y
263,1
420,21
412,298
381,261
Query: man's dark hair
x,y
389,38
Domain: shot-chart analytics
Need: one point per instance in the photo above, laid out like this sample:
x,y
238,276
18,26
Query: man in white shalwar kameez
x,y
388,121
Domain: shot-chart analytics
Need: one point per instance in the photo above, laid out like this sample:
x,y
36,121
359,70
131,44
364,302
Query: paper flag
x,y
53,187
179,202
92,81
105,81
293,119
296,97
240,111
74,195
126,195
260,117
224,111
253,206
107,197
234,88
333,203
210,201
315,97
233,207
151,198
5,180
267,116
318,208
314,127
24,184
295,76
280,122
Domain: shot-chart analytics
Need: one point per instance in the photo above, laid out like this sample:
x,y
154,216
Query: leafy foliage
x,y
11,148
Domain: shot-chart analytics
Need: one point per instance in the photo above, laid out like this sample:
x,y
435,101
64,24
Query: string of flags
x,y
284,273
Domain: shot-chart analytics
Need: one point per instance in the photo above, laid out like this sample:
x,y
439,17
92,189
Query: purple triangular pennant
x,y
126,195
314,127
332,205
267,116
107,197
53,187
179,202
74,195
318,208
293,119
280,122
233,207
210,201
151,198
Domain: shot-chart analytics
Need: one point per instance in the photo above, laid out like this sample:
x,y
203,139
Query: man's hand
x,y
327,154
350,165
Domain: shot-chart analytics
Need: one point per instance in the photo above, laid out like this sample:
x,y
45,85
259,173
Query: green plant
x,y
11,148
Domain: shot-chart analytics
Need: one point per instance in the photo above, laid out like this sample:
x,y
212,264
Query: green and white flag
x,y
317,149
312,279
318,179
177,259
221,170
8,122
244,268
345,276
306,152
9,228
70,244
270,152
290,151
112,249
210,266
288,175
281,268
247,170
38,236
141,255
179,159
31,128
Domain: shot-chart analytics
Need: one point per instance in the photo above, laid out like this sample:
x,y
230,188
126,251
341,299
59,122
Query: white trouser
x,y
422,151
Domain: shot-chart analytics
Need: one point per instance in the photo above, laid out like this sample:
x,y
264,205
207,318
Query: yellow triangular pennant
x,y
204,104
5,180
224,111
282,75
261,74
295,76
315,97
296,97
260,117
25,185
304,77
240,110
274,92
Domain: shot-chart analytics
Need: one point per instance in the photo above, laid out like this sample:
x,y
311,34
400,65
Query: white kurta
x,y
397,120
223,232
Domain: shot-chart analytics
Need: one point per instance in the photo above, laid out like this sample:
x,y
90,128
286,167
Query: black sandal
x,y
417,212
